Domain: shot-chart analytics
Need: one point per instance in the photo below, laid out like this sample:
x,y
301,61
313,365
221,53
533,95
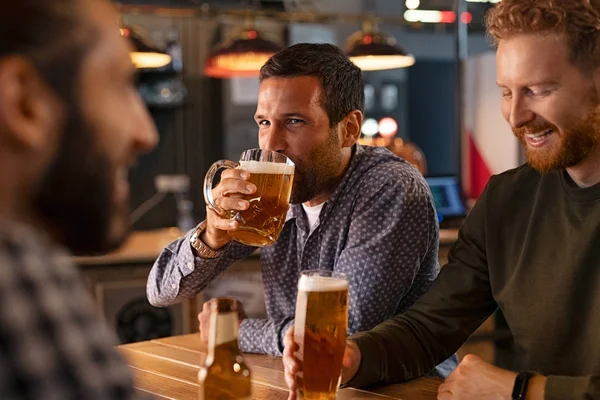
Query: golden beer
x,y
224,375
320,332
262,222
273,175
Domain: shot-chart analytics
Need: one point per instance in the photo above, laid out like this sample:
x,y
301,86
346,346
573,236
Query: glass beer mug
x,y
320,331
273,175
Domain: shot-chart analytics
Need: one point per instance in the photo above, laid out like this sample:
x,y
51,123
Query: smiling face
x,y
551,105
84,194
291,120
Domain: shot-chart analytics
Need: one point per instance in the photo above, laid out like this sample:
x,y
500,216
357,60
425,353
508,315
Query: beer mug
x,y
320,332
273,175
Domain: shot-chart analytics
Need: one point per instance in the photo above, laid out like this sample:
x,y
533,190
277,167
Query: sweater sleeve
x,y
574,388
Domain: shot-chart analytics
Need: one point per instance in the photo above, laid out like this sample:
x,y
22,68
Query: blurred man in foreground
x,y
531,244
71,124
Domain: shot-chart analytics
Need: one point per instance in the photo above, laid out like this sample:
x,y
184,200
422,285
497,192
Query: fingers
x,y
288,339
445,392
290,364
204,319
351,361
241,312
290,379
234,181
227,196
290,347
215,221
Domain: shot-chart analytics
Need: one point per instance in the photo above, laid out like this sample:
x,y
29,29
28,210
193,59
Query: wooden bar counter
x,y
168,369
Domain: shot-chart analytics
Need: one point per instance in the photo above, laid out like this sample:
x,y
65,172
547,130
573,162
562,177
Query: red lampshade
x,y
242,55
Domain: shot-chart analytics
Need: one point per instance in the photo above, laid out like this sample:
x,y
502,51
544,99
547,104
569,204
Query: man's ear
x,y
29,110
351,127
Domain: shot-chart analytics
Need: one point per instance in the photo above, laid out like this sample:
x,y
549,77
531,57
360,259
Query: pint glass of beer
x,y
273,175
320,332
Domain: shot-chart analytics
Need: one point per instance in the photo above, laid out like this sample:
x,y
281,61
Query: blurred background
x,y
430,97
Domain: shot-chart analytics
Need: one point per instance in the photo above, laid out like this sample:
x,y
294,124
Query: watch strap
x,y
202,249
521,382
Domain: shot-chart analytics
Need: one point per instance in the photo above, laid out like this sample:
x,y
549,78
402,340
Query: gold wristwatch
x,y
201,248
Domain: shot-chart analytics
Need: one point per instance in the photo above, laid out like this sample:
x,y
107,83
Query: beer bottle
x,y
224,375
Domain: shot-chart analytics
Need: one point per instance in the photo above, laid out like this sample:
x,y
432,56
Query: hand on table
x,y
292,365
475,379
204,318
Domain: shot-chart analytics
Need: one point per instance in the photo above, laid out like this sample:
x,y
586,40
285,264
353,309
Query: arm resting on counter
x,y
178,274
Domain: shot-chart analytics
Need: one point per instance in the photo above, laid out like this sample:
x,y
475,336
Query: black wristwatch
x,y
520,388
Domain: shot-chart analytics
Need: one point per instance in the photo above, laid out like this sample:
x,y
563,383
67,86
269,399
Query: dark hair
x,y
342,81
48,34
578,20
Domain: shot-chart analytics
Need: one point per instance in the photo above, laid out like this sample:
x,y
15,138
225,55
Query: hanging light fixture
x,y
242,54
372,50
144,55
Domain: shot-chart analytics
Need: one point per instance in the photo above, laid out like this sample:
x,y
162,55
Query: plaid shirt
x,y
52,344
379,227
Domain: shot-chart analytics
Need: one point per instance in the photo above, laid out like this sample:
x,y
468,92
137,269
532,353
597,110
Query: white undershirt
x,y
312,213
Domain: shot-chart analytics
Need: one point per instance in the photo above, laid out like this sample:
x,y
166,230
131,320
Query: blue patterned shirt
x,y
379,227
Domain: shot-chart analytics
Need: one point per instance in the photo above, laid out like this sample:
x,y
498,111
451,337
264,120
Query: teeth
x,y
539,135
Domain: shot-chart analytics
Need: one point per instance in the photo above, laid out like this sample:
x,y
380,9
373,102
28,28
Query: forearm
x,y
178,274
413,343
396,351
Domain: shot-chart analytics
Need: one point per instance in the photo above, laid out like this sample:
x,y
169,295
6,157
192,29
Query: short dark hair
x,y
342,81
48,34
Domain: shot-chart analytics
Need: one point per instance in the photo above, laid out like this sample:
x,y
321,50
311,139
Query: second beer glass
x,y
273,175
320,332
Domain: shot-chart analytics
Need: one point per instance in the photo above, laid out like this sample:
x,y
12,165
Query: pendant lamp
x,y
144,55
372,50
242,54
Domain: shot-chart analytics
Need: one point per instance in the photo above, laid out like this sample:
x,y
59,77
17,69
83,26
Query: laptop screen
x,y
447,197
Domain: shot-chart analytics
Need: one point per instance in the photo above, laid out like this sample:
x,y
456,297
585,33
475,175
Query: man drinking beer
x,y
360,211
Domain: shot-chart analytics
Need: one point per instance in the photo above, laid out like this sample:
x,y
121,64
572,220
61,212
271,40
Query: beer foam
x,y
321,284
266,167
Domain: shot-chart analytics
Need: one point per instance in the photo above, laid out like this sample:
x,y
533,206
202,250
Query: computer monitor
x,y
448,200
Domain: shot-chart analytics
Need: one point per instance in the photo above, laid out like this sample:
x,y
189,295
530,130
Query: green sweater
x,y
531,246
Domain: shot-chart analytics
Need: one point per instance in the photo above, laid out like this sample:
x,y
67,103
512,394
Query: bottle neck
x,y
223,336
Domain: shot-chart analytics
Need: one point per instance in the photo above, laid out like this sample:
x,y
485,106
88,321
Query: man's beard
x,y
319,172
574,145
75,197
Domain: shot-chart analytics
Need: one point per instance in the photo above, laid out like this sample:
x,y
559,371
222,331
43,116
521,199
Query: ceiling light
x,y
370,127
241,55
143,54
372,50
412,4
388,127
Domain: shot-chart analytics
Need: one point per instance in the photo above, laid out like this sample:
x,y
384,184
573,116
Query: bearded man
x,y
71,124
357,210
